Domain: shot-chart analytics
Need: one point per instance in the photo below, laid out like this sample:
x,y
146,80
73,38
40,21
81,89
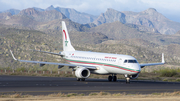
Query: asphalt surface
x,y
48,85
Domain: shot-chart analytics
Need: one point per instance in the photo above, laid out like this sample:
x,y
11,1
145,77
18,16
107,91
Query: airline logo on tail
x,y
65,37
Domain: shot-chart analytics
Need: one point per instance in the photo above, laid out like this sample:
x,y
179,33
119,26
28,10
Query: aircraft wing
x,y
152,64
48,52
52,63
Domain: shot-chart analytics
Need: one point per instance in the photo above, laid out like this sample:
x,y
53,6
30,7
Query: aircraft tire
x,y
114,78
83,79
78,79
110,78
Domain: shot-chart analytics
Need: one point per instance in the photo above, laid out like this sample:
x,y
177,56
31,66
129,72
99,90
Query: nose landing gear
x,y
127,80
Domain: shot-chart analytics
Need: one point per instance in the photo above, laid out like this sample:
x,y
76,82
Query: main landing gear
x,y
80,79
112,78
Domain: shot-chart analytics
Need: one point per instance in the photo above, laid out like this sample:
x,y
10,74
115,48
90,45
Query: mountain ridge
x,y
44,16
74,15
149,18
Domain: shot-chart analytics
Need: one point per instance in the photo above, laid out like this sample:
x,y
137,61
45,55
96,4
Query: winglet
x,y
163,58
13,55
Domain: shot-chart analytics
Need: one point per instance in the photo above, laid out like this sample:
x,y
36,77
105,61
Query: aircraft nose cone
x,y
137,68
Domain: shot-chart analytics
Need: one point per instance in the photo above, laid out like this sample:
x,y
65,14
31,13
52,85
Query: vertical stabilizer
x,y
66,40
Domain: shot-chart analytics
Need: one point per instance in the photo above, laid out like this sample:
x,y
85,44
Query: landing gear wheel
x,y
110,78
83,79
78,79
114,78
128,80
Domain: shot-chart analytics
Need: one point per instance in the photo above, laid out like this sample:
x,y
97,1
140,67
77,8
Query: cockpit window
x,y
125,61
130,61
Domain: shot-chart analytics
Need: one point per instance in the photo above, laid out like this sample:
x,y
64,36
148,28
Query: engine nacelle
x,y
82,72
134,76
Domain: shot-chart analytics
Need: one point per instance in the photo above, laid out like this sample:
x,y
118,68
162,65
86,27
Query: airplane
x,y
85,62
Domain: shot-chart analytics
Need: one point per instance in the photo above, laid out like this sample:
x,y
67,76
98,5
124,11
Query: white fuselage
x,y
106,63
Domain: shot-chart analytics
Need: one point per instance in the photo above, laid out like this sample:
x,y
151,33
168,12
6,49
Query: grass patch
x,y
168,72
156,93
71,94
95,94
16,95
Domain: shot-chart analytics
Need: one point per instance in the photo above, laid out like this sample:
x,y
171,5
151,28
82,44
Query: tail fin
x,y
66,40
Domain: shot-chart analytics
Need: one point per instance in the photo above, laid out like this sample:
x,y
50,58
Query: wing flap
x,y
48,52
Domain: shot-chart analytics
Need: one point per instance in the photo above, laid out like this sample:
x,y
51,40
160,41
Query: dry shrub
x,y
103,93
117,94
57,95
71,94
176,93
17,95
93,94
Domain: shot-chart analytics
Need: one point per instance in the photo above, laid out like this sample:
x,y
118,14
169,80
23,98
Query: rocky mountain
x,y
70,13
149,18
44,16
5,15
49,21
120,31
44,21
74,15
20,22
142,28
109,16
38,9
56,25
178,33
12,11
30,18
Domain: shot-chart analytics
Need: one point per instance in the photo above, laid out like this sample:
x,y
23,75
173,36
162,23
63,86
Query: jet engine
x,y
82,72
134,76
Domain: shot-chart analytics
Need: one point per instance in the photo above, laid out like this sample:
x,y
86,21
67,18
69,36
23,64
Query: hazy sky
x,y
169,8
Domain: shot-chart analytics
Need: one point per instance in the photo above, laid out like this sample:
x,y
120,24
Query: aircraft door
x,y
125,62
120,62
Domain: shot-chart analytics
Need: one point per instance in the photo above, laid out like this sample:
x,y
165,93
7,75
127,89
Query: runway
x,y
48,85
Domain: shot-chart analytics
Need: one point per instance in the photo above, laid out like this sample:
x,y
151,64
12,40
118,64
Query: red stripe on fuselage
x,y
103,65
